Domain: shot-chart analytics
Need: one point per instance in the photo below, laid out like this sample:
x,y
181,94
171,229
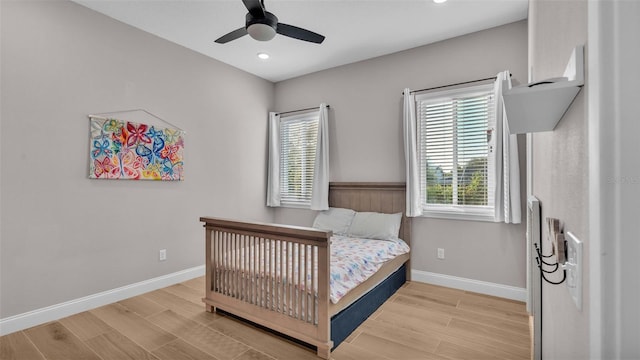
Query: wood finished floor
x,y
419,322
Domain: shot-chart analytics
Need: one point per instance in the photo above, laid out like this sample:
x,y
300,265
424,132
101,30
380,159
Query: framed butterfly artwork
x,y
126,150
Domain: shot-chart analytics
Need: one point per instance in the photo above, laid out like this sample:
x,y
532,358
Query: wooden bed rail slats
x,y
284,275
314,277
307,241
324,327
267,230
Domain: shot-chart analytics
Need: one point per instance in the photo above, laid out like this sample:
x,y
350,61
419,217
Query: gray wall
x,y
64,236
366,140
614,178
560,170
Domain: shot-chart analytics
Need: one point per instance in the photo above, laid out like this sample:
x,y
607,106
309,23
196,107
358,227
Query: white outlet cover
x,y
573,267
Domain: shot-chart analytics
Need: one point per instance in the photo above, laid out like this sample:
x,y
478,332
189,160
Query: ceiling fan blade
x,y
299,33
255,7
235,34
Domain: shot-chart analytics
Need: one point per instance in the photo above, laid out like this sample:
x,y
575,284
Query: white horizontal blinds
x,y
435,131
454,146
298,136
473,149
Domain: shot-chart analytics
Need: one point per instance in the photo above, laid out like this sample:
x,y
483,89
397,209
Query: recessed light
x,y
439,1
263,56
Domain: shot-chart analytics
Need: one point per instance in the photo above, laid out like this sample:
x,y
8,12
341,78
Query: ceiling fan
x,y
263,25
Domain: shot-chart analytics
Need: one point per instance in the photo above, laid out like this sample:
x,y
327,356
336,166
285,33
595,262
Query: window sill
x,y
458,216
295,206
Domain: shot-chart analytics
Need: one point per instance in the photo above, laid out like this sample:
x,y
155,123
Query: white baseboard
x,y
482,287
68,308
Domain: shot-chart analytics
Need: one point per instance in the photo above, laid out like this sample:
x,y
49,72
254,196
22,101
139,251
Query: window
x,y
455,153
298,140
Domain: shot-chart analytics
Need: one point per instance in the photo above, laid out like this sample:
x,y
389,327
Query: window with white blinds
x,y
455,151
298,139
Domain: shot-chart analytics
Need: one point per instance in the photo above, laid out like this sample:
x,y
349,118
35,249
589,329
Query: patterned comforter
x,y
354,260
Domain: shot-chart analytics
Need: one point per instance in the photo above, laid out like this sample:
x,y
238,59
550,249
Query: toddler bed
x,y
295,280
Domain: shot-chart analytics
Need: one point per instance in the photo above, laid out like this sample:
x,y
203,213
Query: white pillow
x,y
371,225
337,220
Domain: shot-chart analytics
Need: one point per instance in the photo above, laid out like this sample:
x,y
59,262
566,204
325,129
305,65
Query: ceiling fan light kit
x,y
262,29
261,32
263,26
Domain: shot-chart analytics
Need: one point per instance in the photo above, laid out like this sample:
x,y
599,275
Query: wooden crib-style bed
x,y
277,276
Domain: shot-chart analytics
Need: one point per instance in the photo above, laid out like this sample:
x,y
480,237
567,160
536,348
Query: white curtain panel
x,y
507,194
414,208
320,191
273,176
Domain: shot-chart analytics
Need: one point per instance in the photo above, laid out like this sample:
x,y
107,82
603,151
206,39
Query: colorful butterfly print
x,y
152,172
171,135
116,146
158,145
144,151
96,128
137,134
106,168
171,171
180,141
170,152
121,135
101,136
155,135
145,161
130,164
101,147
127,150
112,125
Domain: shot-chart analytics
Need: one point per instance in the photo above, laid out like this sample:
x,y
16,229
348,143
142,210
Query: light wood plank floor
x,y
419,322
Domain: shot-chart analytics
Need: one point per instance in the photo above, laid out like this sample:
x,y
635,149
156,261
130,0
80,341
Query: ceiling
x,y
355,30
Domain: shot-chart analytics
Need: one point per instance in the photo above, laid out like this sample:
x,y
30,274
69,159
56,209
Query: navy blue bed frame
x,y
347,320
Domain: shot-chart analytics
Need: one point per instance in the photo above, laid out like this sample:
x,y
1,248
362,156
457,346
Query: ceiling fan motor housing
x,y
262,28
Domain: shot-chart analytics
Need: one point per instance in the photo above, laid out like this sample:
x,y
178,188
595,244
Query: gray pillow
x,y
372,225
337,220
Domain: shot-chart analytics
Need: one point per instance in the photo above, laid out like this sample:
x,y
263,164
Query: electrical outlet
x,y
441,253
162,255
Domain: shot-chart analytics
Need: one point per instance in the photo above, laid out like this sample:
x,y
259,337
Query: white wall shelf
x,y
540,105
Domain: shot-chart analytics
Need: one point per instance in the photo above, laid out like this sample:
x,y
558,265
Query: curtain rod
x,y
292,111
456,84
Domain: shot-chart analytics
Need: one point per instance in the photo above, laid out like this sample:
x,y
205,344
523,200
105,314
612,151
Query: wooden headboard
x,y
383,197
